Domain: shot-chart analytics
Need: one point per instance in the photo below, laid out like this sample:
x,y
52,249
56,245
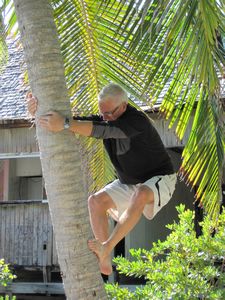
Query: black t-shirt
x,y
133,145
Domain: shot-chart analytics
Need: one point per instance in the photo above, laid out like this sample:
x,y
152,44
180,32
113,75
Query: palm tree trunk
x,y
60,158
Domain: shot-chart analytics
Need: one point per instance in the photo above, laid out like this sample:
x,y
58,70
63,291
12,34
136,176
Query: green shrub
x,y
182,267
6,276
7,298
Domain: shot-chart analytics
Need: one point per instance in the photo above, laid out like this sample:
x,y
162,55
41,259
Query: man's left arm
x,y
118,129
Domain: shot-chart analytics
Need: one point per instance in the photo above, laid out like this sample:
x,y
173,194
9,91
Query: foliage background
x,y
182,267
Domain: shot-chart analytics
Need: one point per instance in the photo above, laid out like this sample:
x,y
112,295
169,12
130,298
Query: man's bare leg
x,y
126,222
98,205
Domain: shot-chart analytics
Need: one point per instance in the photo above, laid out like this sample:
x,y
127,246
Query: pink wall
x,y
4,179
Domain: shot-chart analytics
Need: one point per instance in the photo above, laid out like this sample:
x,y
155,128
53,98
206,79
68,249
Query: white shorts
x,y
162,186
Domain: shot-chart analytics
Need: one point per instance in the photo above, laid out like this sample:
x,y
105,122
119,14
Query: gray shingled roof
x,y
12,87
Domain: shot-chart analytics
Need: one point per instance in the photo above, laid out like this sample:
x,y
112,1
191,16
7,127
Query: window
x,y
21,179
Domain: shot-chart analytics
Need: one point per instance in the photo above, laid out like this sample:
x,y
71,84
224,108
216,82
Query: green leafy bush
x,y
182,267
8,298
6,276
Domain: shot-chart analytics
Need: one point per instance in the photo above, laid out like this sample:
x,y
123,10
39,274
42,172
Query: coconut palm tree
x,y
169,48
60,158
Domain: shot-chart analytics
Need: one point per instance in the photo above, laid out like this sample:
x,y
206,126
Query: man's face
x,y
111,108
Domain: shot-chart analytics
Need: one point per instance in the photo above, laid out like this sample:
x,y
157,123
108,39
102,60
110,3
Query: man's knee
x,y
99,202
143,195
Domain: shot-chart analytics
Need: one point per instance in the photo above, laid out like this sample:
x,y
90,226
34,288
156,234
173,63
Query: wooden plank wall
x,y
18,140
167,135
26,235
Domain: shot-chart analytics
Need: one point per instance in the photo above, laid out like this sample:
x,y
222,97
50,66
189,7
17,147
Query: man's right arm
x,y
54,122
31,104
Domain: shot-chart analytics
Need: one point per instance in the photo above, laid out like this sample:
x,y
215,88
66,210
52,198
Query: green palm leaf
x,y
183,68
3,47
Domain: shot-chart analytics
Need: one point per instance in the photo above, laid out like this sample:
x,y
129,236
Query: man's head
x,y
112,102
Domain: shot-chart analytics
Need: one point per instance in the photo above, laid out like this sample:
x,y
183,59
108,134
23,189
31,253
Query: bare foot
x,y
104,258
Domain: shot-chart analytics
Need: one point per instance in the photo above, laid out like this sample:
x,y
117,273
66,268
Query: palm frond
x,y
189,67
3,46
75,21
92,54
175,54
9,15
205,161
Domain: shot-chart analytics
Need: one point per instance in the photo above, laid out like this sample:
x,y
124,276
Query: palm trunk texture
x,y
60,157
